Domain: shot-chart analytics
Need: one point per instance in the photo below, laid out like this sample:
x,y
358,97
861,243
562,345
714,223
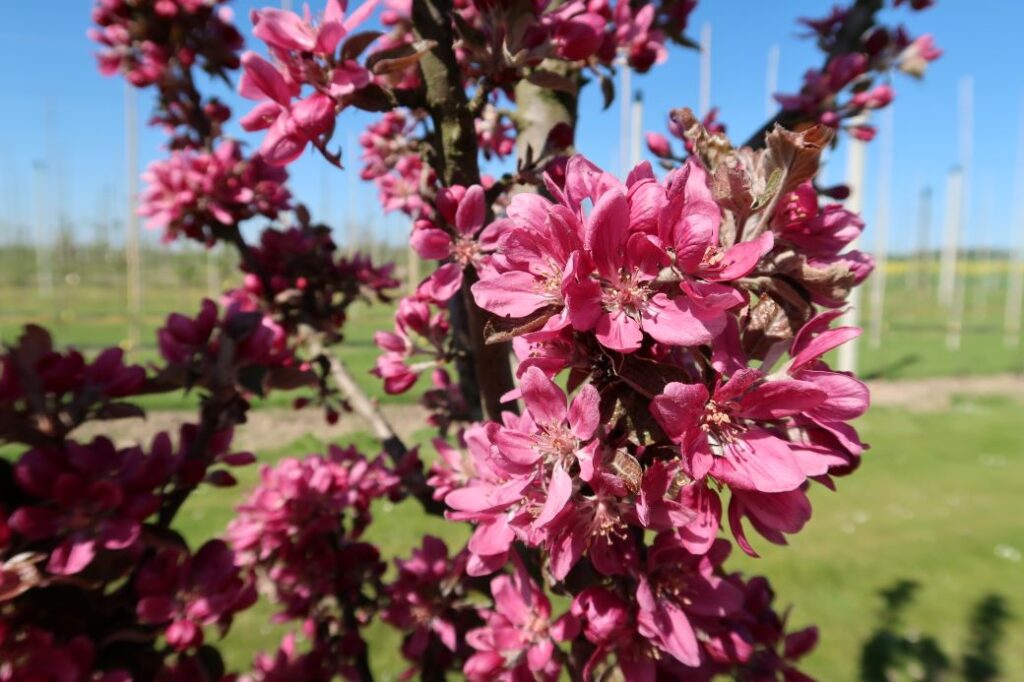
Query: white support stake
x,y
771,82
954,205
923,276
705,70
636,131
625,103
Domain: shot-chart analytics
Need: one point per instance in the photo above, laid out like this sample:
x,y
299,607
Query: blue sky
x,y
57,109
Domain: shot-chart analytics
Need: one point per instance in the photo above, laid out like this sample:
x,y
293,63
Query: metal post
x,y
882,219
856,157
948,274
132,252
771,82
705,69
922,278
1015,276
636,130
41,235
625,99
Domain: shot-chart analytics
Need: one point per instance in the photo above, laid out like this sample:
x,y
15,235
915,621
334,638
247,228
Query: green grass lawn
x,y
90,313
937,502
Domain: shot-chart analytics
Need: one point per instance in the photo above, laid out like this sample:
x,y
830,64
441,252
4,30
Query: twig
x,y
362,662
455,143
859,19
397,451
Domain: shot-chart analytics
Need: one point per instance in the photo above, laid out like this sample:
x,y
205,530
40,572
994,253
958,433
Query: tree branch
x,y
539,110
391,443
859,20
490,374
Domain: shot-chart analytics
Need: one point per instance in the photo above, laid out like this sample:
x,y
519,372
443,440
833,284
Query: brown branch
x,y
362,658
489,376
860,18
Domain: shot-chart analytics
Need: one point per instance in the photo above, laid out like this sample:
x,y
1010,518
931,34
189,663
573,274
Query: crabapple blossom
x,y
518,639
190,591
670,332
199,194
302,526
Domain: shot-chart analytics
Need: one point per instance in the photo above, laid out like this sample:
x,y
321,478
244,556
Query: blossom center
x,y
465,251
719,424
629,294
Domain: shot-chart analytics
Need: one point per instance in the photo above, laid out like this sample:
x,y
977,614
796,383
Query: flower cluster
x,y
212,348
418,333
88,497
187,591
426,600
648,259
305,54
517,640
45,393
302,527
309,282
846,86
203,195
35,654
145,40
82,521
646,298
670,334
159,43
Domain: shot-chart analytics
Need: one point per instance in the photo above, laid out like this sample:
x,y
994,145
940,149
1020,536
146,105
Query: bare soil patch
x,y
275,428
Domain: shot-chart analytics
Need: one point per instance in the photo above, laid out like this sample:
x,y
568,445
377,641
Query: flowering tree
x,y
615,363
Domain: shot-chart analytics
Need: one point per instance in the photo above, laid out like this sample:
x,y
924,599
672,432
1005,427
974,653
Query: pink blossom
x,y
291,126
915,57
304,55
31,653
422,601
496,134
303,511
634,31
418,334
464,210
188,592
287,664
91,497
678,587
198,193
729,433
287,31
602,272
518,638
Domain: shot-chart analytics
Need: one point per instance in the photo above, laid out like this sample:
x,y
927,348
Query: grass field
x,y
87,310
936,503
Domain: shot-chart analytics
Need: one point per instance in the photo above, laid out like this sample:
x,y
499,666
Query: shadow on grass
x,y
896,651
892,369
